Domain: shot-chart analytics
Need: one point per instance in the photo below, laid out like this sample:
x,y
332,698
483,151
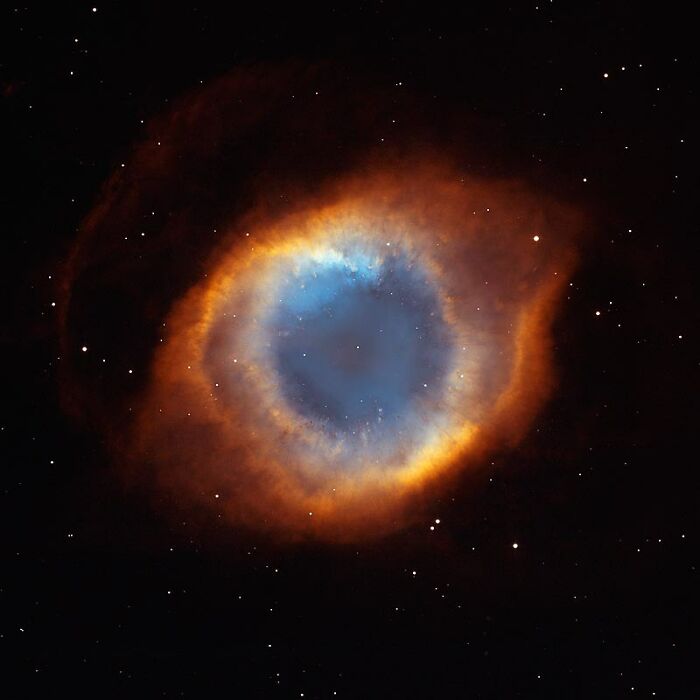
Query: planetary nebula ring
x,y
347,352
344,351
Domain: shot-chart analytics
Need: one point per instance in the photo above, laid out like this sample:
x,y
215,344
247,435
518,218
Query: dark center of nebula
x,y
359,343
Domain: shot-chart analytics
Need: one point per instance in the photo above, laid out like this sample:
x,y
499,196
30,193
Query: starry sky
x,y
564,565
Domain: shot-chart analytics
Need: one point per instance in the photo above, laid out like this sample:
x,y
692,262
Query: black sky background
x,y
103,596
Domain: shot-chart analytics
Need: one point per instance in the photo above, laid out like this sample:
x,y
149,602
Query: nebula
x,y
330,332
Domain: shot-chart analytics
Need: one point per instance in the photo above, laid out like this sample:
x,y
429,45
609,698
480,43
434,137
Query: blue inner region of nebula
x,y
359,343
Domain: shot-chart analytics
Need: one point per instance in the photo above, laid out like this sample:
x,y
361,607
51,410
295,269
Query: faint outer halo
x,y
195,229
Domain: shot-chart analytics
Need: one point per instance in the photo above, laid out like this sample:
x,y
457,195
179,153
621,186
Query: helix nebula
x,y
329,311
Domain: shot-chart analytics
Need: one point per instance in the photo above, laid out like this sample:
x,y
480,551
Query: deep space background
x,y
102,595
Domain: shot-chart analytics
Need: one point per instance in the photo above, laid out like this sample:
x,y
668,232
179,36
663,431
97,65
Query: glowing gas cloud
x,y
346,337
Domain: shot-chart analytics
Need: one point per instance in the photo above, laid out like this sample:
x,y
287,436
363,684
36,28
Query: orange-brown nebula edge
x,y
211,422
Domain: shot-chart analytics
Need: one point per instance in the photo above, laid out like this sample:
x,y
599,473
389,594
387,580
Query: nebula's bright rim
x,y
338,358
